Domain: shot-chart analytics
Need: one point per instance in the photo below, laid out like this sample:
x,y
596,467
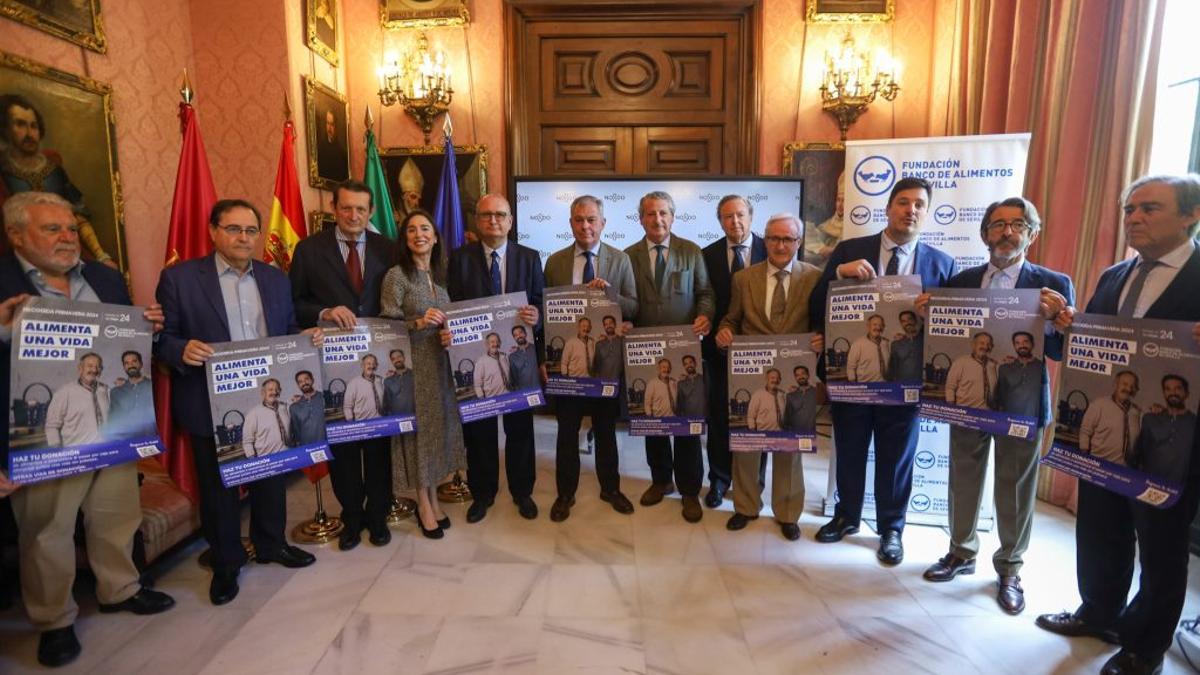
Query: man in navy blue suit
x,y
737,250
1162,219
895,250
335,276
494,266
1009,228
45,261
222,297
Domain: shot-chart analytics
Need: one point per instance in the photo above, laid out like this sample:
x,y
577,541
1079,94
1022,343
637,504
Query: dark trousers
x,y
603,411
220,510
686,462
483,456
720,461
895,431
1108,529
361,473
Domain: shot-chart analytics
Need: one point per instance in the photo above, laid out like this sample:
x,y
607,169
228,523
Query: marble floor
x,y
600,593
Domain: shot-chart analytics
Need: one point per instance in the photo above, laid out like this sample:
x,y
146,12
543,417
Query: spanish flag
x,y
286,227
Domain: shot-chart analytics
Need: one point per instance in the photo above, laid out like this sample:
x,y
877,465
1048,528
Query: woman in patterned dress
x,y
414,290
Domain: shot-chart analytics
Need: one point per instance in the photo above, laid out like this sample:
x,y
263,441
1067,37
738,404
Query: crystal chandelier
x,y
419,81
851,82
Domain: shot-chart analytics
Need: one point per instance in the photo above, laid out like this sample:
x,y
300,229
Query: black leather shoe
x,y
58,647
288,556
526,507
948,567
620,502
561,509
835,530
1127,663
715,496
1069,625
145,601
891,549
655,493
738,521
435,533
223,588
444,523
349,538
477,511
791,531
1010,595
380,535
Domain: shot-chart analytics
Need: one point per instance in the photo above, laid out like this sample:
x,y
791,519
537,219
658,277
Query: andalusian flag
x,y
373,175
286,227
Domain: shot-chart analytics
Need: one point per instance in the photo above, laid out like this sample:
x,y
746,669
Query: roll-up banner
x,y
967,174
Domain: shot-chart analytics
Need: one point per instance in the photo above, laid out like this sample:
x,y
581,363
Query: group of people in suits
x,y
742,284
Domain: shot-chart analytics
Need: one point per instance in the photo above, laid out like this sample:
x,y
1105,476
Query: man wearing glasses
x,y
495,266
1009,228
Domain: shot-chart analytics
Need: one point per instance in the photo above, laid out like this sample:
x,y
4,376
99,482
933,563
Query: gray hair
x,y
796,222
588,199
1028,211
1187,190
657,194
729,198
16,207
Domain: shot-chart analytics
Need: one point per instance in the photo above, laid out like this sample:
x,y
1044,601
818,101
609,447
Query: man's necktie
x,y
987,383
354,267
1135,289
378,407
879,353
494,270
778,410
778,299
503,373
660,265
997,280
96,406
893,266
737,259
670,396
589,271
590,350
283,435
1125,428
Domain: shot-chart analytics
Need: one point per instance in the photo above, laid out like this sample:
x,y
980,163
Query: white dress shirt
x,y
487,263
1158,279
887,249
650,249
581,260
260,431
1005,278
746,245
71,417
493,376
773,284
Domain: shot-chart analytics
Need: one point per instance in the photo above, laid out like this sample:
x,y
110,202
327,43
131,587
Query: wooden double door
x,y
633,88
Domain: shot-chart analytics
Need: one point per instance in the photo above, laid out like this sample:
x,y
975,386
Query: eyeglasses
x,y
781,240
1018,226
237,230
488,215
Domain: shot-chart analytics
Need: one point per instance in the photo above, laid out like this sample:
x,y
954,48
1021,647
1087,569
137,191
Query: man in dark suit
x,y
895,250
44,260
495,266
223,297
737,250
1162,219
673,289
587,260
335,275
1008,229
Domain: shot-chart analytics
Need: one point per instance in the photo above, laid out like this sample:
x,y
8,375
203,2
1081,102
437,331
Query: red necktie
x,y
354,268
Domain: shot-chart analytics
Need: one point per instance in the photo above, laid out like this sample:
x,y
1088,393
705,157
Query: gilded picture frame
x,y
74,152
820,165
77,22
413,175
327,117
850,11
320,220
321,27
401,14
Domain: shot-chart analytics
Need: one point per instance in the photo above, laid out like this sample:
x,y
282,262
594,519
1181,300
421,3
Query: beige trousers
x,y
787,485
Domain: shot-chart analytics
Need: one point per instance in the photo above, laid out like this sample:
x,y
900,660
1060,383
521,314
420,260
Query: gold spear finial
x,y
447,126
368,120
185,88
287,107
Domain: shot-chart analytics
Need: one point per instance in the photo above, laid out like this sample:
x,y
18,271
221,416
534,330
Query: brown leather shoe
x,y
948,567
1069,625
691,509
1011,596
561,509
619,501
655,493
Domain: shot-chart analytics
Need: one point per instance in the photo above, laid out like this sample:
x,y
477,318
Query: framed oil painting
x,y
328,115
399,14
851,11
820,165
75,20
413,174
322,28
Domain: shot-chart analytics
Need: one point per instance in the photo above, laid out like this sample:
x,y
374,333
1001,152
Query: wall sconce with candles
x,y
850,84
419,81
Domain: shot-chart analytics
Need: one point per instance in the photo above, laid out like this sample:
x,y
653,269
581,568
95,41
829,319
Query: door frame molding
x,y
518,14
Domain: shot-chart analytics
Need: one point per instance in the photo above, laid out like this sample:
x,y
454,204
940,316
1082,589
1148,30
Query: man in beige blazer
x,y
756,307
589,261
673,290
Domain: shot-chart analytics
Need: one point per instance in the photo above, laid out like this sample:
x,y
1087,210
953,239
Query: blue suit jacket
x,y
468,276
1180,301
716,259
935,269
1031,276
108,284
190,295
